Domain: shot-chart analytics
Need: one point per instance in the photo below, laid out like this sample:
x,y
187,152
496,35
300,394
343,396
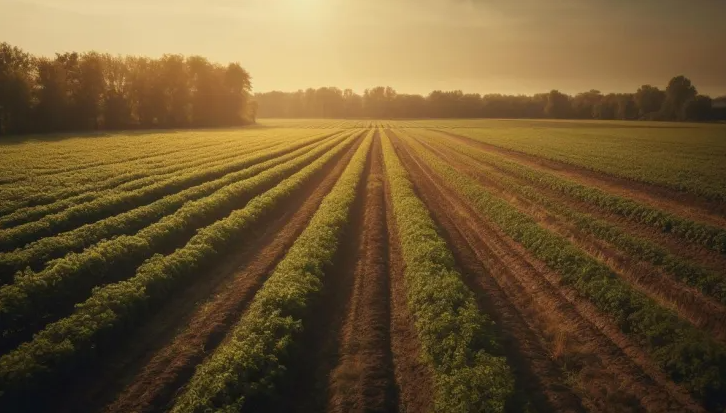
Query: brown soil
x,y
680,203
101,187
362,353
363,380
690,303
68,170
146,371
130,205
306,385
538,379
605,367
63,308
674,244
414,378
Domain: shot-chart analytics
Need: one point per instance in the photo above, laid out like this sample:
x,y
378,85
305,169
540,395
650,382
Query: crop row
x,y
686,354
126,176
116,203
61,161
38,252
255,356
707,281
53,201
33,297
684,161
454,335
35,200
96,324
707,235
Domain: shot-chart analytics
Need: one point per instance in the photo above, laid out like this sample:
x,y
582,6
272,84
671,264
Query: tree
x,y
117,105
53,96
625,107
16,84
697,109
649,100
679,91
377,102
558,105
89,90
238,87
718,108
584,103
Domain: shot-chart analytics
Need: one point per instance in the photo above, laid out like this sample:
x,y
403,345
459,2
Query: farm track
x,y
362,353
702,311
677,202
539,378
349,368
613,372
145,374
306,385
362,380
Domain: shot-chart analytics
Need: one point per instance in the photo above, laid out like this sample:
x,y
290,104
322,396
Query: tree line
x,y
96,91
680,101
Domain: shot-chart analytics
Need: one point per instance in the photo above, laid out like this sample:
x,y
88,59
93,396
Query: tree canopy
x,y
94,91
680,101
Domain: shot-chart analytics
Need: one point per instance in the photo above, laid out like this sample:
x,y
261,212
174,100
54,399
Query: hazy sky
x,y
486,46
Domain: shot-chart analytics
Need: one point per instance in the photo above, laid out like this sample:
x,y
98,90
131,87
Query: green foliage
x,y
453,334
41,251
92,91
118,306
26,199
117,202
707,235
686,354
33,296
706,281
256,355
685,159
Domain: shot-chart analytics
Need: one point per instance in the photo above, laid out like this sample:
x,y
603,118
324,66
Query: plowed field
x,y
366,266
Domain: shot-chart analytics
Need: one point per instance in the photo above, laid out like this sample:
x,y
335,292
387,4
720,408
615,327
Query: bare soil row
x,y
703,311
146,371
587,361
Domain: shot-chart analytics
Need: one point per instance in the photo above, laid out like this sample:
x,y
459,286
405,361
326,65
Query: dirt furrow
x,y
363,381
614,373
680,203
414,379
306,385
690,303
160,357
677,246
539,379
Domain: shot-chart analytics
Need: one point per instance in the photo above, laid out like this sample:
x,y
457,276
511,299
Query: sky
x,y
415,46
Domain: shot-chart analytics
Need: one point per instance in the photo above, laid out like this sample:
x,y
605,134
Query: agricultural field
x,y
305,265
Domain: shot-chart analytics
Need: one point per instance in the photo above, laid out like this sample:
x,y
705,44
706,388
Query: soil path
x,y
362,381
680,203
611,372
704,312
158,358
